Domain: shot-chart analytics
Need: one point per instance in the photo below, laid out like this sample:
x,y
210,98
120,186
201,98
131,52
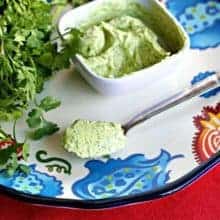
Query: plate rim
x,y
159,193
98,204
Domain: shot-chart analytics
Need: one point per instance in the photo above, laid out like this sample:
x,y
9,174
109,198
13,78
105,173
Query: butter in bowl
x,y
124,45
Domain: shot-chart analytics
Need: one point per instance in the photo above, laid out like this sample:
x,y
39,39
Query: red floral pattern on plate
x,y
207,140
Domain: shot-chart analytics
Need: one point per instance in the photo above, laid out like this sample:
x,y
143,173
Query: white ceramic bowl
x,y
136,80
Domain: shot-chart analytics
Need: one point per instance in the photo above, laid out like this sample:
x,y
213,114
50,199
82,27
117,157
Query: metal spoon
x,y
210,82
103,143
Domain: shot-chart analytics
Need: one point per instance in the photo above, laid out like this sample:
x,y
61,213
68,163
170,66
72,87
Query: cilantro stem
x,y
3,133
2,48
14,130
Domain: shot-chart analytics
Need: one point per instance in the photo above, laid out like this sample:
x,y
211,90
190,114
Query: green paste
x,y
120,46
91,139
122,37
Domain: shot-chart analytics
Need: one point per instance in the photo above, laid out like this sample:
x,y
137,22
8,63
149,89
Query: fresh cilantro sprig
x,y
11,152
40,127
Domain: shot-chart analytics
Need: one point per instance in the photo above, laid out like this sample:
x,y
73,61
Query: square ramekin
x,y
135,80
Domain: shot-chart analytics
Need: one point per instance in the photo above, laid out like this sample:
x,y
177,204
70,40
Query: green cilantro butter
x,y
120,46
120,37
91,139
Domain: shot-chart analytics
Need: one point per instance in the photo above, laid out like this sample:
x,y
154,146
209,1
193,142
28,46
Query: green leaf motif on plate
x,y
54,163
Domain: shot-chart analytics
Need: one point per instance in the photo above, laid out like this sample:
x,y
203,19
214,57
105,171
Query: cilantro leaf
x,y
24,168
12,165
35,113
48,128
49,103
25,151
34,40
5,154
34,118
37,122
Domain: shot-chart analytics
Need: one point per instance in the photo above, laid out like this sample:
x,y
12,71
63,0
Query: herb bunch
x,y
28,58
40,127
26,53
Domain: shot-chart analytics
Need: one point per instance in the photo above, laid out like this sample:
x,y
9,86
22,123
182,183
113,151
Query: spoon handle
x,y
210,82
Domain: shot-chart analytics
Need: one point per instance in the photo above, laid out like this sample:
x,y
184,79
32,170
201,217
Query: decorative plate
x,y
163,155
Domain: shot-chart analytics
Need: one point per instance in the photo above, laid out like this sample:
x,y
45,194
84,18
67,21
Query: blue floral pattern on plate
x,y
35,183
201,20
202,76
120,177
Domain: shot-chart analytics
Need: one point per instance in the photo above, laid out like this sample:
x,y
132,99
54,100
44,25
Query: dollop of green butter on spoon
x,y
92,139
